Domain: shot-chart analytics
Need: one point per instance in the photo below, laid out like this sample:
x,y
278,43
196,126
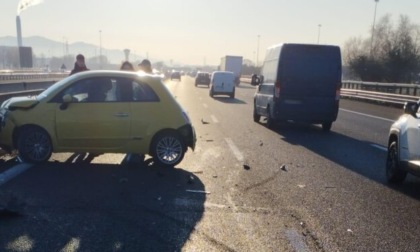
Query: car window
x,y
142,92
101,89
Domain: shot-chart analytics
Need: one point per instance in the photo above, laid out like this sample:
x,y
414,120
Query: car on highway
x,y
202,78
98,112
300,83
404,145
176,75
222,83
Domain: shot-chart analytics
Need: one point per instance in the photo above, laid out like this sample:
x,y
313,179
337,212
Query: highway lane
x,y
329,196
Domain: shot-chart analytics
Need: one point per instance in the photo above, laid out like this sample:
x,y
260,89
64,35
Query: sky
x,y
201,31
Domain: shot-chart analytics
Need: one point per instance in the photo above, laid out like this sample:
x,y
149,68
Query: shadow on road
x,y
227,99
101,207
356,155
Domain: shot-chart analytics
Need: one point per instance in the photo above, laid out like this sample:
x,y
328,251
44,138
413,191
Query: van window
x,y
311,63
269,70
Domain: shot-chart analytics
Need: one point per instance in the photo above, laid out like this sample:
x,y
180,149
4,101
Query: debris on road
x,y
7,213
197,191
349,230
261,143
159,198
214,176
197,172
204,122
283,167
209,140
247,167
301,186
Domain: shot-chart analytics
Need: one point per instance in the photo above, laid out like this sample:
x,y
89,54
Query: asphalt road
x,y
244,188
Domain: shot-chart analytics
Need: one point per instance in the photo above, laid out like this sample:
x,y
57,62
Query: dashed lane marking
x,y
214,119
235,150
367,115
13,172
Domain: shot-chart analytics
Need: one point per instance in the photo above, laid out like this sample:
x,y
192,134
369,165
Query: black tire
x,y
326,126
34,145
232,95
211,92
270,120
394,174
256,116
167,149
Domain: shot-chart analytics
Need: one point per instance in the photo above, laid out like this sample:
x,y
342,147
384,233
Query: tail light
x,y
277,89
337,92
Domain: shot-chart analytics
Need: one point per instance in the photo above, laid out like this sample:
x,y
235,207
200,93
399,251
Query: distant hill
x,y
50,48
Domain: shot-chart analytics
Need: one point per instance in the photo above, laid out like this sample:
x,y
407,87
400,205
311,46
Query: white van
x,y
222,83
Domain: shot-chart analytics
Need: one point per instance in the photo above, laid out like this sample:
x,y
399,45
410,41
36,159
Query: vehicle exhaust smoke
x,y
25,4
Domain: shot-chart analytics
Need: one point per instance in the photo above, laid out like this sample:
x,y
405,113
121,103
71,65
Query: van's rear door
x,y
310,76
223,82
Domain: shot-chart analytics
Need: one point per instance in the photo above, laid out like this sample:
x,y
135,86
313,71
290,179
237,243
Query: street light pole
x,y
319,31
100,49
258,49
373,28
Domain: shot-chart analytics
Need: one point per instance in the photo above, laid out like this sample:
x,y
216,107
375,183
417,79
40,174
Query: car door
x,y
147,115
98,119
263,97
413,136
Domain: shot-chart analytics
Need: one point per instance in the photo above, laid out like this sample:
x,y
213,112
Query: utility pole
x,y
373,28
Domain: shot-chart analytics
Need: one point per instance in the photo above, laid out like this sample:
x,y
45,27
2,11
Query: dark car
x,y
202,78
176,75
300,83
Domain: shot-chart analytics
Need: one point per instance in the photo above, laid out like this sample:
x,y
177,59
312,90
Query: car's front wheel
x,y
255,115
394,174
167,149
34,145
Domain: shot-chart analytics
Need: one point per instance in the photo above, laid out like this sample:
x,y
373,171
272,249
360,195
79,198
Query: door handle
x,y
121,115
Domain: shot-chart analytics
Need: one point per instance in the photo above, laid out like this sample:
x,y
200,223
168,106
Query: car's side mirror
x,y
411,108
66,100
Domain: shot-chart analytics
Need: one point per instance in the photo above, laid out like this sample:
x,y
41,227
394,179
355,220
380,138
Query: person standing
x,y
79,65
146,66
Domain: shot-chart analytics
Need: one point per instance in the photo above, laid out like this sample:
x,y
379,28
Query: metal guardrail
x,y
386,93
5,96
31,76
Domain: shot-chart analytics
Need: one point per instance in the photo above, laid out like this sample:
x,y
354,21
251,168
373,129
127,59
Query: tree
x,y
394,56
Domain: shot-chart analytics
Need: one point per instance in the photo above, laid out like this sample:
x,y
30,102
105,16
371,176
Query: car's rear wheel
x,y
326,126
394,174
167,149
34,145
211,92
270,120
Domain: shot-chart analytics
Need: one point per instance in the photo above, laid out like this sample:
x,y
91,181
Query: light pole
x,y
258,49
100,49
319,31
373,28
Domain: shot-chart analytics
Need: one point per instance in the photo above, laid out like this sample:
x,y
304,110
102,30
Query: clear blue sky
x,y
191,31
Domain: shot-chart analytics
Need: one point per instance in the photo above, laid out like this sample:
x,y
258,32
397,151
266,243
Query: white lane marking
x,y
13,172
72,245
382,148
205,105
235,150
214,119
376,117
